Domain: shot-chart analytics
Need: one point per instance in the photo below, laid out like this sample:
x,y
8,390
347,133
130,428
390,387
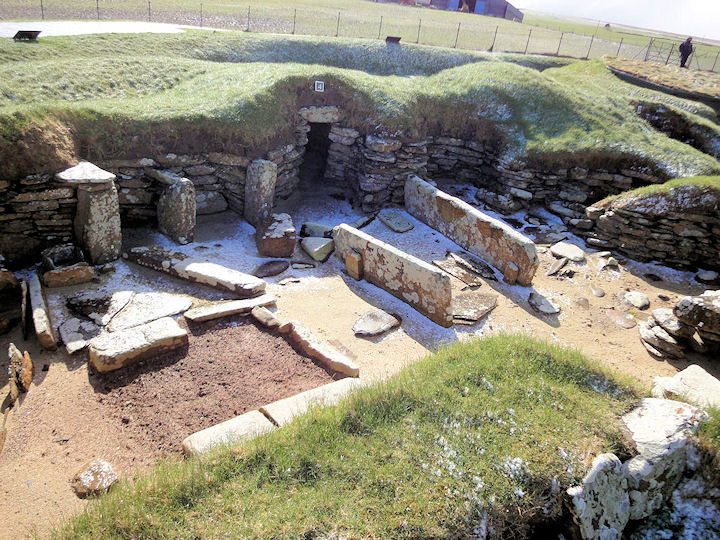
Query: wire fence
x,y
479,33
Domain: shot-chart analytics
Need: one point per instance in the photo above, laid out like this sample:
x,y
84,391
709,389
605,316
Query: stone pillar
x,y
97,221
260,190
176,211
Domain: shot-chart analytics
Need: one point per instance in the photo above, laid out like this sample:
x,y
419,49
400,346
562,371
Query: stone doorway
x,y
312,170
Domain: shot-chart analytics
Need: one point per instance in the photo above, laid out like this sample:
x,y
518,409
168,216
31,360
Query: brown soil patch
x,y
230,367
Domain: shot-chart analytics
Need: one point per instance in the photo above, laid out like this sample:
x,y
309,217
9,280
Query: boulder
x,y
94,477
693,384
275,236
176,211
319,249
568,251
637,299
700,311
375,323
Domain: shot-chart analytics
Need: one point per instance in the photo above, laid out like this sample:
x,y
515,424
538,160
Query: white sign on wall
x,y
319,86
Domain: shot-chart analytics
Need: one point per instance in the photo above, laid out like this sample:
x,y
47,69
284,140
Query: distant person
x,y
686,49
464,8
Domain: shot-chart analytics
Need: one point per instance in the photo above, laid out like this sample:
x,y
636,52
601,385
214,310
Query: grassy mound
x,y
696,195
480,436
116,95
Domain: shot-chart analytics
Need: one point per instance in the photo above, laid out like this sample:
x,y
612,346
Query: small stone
x,y
271,268
664,297
265,317
603,254
288,281
653,277
610,262
637,300
395,221
319,249
302,266
623,320
542,304
94,477
707,276
597,291
566,249
583,303
556,266
375,323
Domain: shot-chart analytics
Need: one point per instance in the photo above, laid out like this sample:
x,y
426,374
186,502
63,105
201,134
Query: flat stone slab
x,y
271,268
146,307
568,251
319,249
85,173
76,334
309,344
473,264
542,304
470,307
225,309
284,410
99,307
623,320
395,221
455,269
241,428
375,323
114,350
196,270
40,317
556,266
693,384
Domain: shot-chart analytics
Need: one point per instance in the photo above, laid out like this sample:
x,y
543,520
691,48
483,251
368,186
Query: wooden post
x,y
620,46
592,39
294,20
647,53
559,44
670,54
337,28
715,62
457,36
494,38
149,12
527,44
380,27
42,10
201,15
248,21
97,9
418,35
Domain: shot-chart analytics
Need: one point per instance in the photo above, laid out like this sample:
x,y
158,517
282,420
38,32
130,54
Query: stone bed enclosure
x,y
38,210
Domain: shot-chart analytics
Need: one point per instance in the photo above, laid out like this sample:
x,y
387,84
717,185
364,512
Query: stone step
x,y
196,270
114,350
244,427
283,411
225,309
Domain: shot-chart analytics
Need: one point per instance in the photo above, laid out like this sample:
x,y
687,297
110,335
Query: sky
x,y
700,18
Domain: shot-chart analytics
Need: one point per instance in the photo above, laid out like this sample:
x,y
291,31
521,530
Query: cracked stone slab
x,y
375,323
114,350
147,307
225,309
395,221
452,267
196,270
307,343
76,334
244,427
99,306
470,307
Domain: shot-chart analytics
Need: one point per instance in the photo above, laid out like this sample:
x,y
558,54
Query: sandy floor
x,y
60,423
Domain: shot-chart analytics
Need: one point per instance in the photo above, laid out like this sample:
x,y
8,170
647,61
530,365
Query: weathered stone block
x,y
176,211
354,264
97,222
275,236
41,320
260,190
210,202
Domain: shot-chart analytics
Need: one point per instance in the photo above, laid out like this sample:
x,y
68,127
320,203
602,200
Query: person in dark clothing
x,y
686,49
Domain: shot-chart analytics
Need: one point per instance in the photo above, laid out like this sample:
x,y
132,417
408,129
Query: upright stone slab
x,y
478,233
176,211
259,190
97,220
40,317
424,287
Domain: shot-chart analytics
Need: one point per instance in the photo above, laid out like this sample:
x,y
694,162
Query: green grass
x,y
128,95
679,195
489,432
709,435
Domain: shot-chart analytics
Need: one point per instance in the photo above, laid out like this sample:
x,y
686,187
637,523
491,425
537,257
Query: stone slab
x,y
284,410
322,115
84,173
145,307
693,384
259,190
395,221
114,350
217,310
244,427
97,223
425,288
319,249
451,266
76,334
69,275
375,323
177,211
197,271
40,317
568,251
471,229
307,343
470,307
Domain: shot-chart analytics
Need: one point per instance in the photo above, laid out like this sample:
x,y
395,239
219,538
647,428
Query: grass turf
x,y
698,195
481,435
114,95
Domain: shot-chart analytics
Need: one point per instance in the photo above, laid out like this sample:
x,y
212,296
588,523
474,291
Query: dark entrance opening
x,y
312,170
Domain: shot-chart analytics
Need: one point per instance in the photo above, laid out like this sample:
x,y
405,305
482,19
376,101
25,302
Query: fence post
x,y
620,46
457,36
380,27
201,15
669,54
562,34
715,62
418,36
527,44
149,12
97,9
294,20
248,21
337,28
647,53
492,46
592,38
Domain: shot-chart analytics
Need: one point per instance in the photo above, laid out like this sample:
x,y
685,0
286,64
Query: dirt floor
x,y
69,416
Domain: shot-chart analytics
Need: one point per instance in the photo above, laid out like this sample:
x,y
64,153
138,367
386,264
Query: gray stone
x,y
97,222
395,221
100,307
260,190
382,144
654,335
217,310
94,477
568,250
85,173
316,229
600,507
637,299
469,307
244,427
271,268
40,317
210,202
542,304
693,384
265,317
319,249
114,350
176,211
275,236
597,291
623,320
707,276
375,323
146,307
671,324
76,334
556,266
